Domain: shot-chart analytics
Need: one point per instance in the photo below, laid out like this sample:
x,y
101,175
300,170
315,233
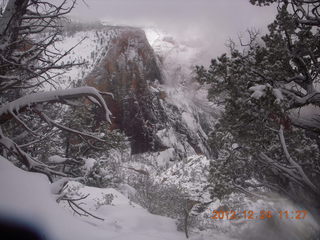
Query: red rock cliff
x,y
126,70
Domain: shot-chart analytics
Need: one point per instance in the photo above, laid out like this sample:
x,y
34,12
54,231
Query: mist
x,y
209,24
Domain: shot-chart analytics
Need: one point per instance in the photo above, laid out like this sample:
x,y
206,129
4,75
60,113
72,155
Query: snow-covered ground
x,y
27,197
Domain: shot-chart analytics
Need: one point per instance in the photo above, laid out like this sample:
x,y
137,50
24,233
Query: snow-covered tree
x,y
29,59
266,88
305,12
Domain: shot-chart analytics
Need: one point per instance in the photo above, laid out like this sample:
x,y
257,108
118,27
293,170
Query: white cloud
x,y
211,22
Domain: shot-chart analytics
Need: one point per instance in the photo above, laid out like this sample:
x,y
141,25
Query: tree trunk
x,y
186,217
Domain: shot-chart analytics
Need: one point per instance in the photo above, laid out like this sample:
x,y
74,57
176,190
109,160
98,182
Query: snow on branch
x,y
67,129
293,171
31,163
287,171
260,91
293,163
313,98
32,102
9,110
26,52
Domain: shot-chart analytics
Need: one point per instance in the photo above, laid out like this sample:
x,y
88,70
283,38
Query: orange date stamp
x,y
258,215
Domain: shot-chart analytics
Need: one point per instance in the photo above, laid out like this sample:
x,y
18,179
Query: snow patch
x,y
57,159
258,91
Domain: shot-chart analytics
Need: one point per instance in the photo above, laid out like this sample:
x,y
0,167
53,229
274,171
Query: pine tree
x,y
260,136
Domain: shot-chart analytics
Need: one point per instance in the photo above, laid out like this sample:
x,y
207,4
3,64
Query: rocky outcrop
x,y
126,70
156,120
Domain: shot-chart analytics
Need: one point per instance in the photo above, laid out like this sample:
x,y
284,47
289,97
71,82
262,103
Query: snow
x,y
306,116
91,47
126,190
142,226
57,159
191,175
189,120
261,91
97,195
88,164
234,146
278,95
258,91
164,157
168,137
153,35
50,96
27,197
58,185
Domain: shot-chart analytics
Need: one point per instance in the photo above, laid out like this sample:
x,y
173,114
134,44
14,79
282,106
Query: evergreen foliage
x,y
262,85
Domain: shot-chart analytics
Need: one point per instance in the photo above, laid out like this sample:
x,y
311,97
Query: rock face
x,y
157,119
127,69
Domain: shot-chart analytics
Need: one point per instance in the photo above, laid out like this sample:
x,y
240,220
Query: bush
x,y
104,174
165,200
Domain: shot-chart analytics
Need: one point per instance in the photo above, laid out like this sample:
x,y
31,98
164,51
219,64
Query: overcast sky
x,y
209,22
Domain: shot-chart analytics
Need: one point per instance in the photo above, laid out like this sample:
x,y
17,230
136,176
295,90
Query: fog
x,y
207,23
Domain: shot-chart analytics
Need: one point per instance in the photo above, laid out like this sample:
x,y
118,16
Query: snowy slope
x,y
191,175
87,48
27,197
